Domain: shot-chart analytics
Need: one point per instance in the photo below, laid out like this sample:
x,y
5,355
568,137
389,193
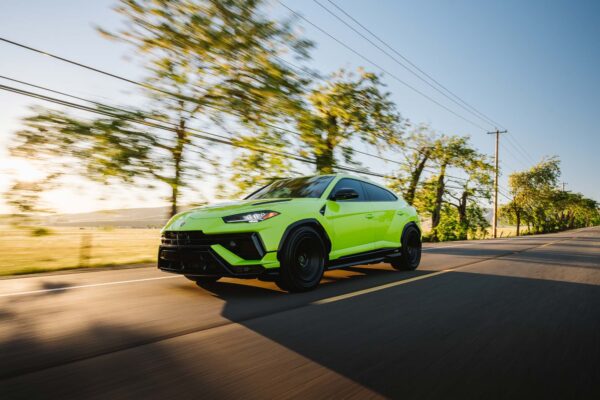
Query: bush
x,y
41,232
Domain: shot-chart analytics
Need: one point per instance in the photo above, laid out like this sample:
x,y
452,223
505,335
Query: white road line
x,y
86,286
332,299
378,288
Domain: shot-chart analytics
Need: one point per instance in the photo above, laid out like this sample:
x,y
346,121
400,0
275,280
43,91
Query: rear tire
x,y
410,251
302,260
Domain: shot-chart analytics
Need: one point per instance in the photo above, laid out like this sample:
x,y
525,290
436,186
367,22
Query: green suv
x,y
292,230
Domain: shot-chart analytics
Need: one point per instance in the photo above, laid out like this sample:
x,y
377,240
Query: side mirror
x,y
344,194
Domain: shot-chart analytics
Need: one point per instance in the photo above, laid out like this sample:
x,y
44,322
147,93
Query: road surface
x,y
506,318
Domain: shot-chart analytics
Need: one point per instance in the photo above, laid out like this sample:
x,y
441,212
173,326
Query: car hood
x,y
220,210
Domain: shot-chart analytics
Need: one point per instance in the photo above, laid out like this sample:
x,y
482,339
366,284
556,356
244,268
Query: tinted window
x,y
307,186
350,184
375,193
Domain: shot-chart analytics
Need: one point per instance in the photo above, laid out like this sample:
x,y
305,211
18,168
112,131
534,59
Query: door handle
x,y
400,212
369,216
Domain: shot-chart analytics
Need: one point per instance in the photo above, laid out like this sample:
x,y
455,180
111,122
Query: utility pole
x,y
563,186
496,173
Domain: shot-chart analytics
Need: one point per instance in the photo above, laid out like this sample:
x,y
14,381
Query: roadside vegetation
x,y
227,95
67,248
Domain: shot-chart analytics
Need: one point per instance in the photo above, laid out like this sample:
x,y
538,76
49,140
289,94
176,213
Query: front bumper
x,y
202,261
195,253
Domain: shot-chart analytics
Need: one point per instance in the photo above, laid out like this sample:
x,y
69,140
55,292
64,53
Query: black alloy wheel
x,y
302,260
410,251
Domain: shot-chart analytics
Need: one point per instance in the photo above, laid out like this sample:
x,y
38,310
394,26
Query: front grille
x,y
191,261
245,245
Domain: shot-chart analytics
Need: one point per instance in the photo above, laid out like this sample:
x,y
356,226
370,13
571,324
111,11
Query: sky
x,y
530,66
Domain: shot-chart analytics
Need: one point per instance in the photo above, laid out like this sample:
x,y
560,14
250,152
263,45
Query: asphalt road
x,y
507,318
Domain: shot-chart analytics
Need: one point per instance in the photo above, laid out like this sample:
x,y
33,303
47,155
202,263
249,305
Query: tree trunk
x,y
462,215
325,158
518,218
416,177
325,161
436,215
177,153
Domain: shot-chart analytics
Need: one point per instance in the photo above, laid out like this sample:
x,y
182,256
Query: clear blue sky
x,y
532,66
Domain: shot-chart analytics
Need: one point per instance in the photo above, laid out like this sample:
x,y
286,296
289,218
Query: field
x,y
67,248
60,248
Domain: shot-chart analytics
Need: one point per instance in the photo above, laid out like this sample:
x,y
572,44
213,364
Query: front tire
x,y
302,260
410,252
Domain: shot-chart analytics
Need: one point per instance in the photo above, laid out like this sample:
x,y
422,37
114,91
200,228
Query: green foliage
x,y
256,168
538,202
210,60
421,143
347,107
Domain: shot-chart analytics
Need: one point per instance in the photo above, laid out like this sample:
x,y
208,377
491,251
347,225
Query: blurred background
x,y
116,115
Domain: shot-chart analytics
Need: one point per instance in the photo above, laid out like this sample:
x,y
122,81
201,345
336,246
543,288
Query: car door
x,y
351,221
388,214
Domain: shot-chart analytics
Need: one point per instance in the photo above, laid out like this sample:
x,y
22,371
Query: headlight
x,y
254,216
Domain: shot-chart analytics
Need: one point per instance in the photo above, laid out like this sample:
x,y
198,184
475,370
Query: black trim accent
x,y
366,189
367,257
203,261
322,210
357,200
247,245
271,201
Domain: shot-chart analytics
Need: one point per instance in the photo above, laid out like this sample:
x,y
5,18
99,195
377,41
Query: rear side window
x,y
375,193
347,183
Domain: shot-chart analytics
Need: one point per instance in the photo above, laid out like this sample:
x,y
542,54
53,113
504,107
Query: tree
x,y
344,108
205,60
466,198
533,195
453,151
461,200
420,145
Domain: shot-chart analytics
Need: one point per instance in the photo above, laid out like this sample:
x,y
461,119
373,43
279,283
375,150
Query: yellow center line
x,y
378,288
418,278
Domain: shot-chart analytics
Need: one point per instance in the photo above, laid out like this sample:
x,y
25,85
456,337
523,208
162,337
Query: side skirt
x,y
369,257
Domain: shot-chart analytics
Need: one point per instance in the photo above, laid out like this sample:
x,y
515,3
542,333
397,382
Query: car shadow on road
x,y
80,369
455,335
247,299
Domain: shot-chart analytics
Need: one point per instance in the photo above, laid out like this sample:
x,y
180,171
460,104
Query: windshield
x,y
308,186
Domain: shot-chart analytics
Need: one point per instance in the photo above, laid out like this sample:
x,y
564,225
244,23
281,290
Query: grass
x,y
39,249
27,251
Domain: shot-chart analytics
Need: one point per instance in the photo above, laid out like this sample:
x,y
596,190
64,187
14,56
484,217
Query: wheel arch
x,y
313,223
408,225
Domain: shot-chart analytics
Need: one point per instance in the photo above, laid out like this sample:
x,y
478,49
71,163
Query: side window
x,y
347,183
375,193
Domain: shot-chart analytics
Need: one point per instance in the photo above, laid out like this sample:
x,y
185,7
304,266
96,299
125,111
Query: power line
x,y
412,64
202,134
110,74
460,103
482,116
117,109
381,68
521,149
137,83
215,137
514,155
141,84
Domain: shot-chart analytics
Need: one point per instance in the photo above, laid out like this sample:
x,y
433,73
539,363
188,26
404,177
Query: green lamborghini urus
x,y
291,231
